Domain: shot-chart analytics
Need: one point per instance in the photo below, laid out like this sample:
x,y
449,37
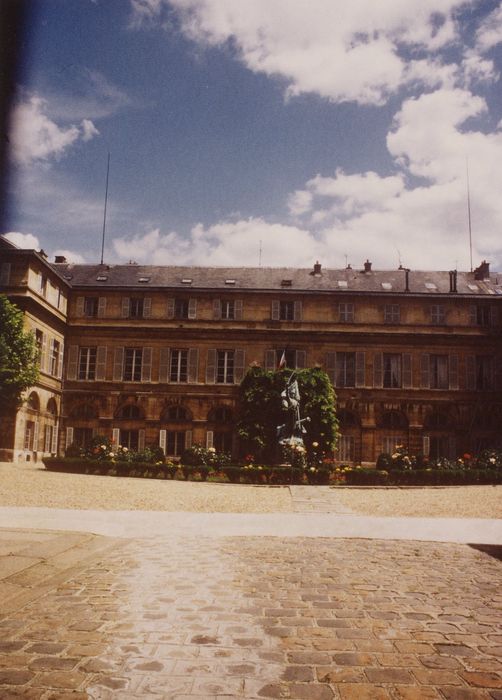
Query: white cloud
x,y
35,137
489,33
23,240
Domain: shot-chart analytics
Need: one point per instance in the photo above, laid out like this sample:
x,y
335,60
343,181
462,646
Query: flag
x,y
282,361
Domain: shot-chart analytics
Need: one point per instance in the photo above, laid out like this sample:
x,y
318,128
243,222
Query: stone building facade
x,y
153,355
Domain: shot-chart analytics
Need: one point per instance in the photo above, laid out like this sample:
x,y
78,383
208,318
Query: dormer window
x,y
144,280
387,286
286,283
229,282
101,278
186,280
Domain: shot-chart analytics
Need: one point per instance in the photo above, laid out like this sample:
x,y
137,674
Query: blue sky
x,y
314,129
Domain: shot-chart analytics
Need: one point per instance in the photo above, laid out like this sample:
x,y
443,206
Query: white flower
x,y
492,460
211,449
315,444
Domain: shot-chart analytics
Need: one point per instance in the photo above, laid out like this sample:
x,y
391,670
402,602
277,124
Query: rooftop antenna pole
x,y
104,215
469,208
259,257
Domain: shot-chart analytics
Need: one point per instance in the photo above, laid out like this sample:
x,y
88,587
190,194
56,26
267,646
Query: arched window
x,y
220,414
394,420
84,411
130,412
175,413
52,407
348,419
33,401
437,420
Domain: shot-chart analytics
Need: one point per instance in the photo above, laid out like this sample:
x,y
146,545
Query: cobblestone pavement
x,y
316,618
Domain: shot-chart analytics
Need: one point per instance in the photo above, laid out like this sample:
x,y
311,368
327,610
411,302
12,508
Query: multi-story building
x,y
154,354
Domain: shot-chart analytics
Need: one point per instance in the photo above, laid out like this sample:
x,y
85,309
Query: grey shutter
x,y
69,437
50,364
60,361
192,308
425,380
297,311
360,369
239,359
146,365
80,306
54,445
270,360
426,445
498,373
276,310
211,366
126,307
36,433
473,315
147,307
163,440
165,356
118,365
470,372
5,274
377,370
48,438
301,359
170,308
494,316
43,353
453,371
72,362
193,365
141,439
209,439
101,363
217,309
116,437
188,439
330,363
407,371
238,309
101,307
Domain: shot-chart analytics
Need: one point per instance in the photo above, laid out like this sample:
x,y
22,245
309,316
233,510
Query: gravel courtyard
x,y
31,485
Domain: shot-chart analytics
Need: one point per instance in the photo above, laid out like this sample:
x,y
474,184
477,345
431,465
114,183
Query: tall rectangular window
x,y
55,358
87,363
225,367
132,364
346,312
392,378
228,309
91,307
484,372
39,340
483,315
136,307
392,313
287,311
438,315
181,308
346,369
175,442
438,372
178,371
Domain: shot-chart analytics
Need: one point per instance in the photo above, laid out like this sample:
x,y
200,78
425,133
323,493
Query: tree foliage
x,y
18,355
261,410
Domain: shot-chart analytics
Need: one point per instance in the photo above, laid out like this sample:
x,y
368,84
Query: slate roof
x,y
284,279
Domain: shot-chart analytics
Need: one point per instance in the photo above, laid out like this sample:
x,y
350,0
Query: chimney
x,y
453,281
367,266
60,259
317,269
483,271
407,279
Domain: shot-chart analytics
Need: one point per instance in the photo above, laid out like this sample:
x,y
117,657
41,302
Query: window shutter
x,y
116,437
188,439
498,373
165,355
47,438
126,307
426,445
36,432
141,439
275,310
238,309
60,361
170,308
192,308
146,365
298,311
301,359
163,440
330,362
209,439
470,372
453,371
473,315
80,306
216,308
425,381
193,365
211,366
69,437
72,362
377,370
118,365
5,274
147,307
101,307
270,360
360,369
407,371
494,316
239,359
54,445
101,363
43,354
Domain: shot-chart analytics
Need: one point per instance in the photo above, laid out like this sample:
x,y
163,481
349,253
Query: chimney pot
x,y
483,271
60,259
367,266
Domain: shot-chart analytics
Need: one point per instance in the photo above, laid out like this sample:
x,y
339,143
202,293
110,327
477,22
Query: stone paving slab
x,y
188,617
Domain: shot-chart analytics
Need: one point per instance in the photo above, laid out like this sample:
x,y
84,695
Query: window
x,y
346,312
49,431
438,315
482,315
130,412
345,448
43,285
29,432
136,307
221,414
39,340
228,309
87,363
181,308
132,364
175,442
91,307
55,358
176,413
438,369
392,313
129,439
225,366
484,372
286,311
82,437
222,441
178,371
345,369
392,371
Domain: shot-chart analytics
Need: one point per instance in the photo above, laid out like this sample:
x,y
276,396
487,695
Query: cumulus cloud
x,y
23,240
36,137
489,33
